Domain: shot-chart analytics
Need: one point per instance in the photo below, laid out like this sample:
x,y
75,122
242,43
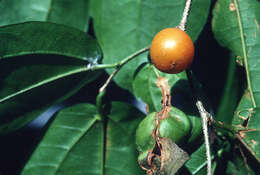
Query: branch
x,y
203,113
205,116
120,65
227,127
108,80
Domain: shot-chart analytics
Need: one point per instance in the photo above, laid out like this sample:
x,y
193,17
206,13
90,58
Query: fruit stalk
x,y
185,15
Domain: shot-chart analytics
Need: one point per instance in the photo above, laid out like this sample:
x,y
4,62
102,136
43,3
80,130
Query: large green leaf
x,y
78,143
41,64
124,27
68,12
242,36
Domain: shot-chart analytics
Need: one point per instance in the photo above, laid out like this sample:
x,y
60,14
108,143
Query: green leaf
x,y
247,117
197,165
246,17
225,26
237,166
47,38
196,134
123,32
144,85
77,143
231,93
243,110
68,12
198,161
128,116
121,155
245,31
41,64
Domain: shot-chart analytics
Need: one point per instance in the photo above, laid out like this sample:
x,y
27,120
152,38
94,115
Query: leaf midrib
x,y
243,42
25,53
79,70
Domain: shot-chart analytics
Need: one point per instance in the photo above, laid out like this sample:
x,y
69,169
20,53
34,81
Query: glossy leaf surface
x,y
68,12
123,32
41,64
77,143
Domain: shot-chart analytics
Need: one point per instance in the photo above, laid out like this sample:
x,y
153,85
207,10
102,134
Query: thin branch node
x,y
204,118
120,65
108,80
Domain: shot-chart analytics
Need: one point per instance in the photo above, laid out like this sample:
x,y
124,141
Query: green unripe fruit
x,y
176,126
144,139
196,132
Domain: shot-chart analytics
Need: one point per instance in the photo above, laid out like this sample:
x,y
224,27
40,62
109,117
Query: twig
x,y
244,159
108,80
203,113
185,15
205,116
227,127
121,64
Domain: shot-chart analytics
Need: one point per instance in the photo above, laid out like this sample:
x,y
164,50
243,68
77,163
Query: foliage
x,y
52,50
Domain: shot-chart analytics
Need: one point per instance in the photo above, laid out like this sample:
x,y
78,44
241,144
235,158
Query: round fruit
x,y
176,127
172,50
144,139
196,132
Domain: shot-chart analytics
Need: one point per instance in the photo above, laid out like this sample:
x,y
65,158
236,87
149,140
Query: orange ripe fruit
x,y
172,50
